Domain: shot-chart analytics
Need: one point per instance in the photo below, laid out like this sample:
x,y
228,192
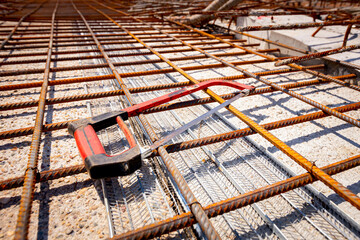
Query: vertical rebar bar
x,y
31,172
346,36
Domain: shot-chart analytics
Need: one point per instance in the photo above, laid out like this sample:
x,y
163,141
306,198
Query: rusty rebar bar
x,y
81,97
43,176
110,76
346,35
75,36
101,65
104,43
316,55
31,54
236,13
27,61
23,219
295,25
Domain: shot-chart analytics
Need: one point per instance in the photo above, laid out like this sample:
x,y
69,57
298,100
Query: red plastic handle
x,y
89,144
97,162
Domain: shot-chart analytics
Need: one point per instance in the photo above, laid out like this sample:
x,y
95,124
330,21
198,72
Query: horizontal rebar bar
x,y
81,97
295,25
148,72
64,52
235,13
110,76
316,55
56,59
103,42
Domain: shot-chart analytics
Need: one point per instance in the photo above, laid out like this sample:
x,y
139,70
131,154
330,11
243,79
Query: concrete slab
x,y
327,38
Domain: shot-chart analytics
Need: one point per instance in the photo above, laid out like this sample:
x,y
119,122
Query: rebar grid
x,y
330,182
154,34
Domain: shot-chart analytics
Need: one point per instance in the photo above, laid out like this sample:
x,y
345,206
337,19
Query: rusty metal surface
x,y
22,225
296,26
317,55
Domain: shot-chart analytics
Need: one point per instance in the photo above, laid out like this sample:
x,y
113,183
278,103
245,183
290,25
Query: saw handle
x,y
101,165
97,162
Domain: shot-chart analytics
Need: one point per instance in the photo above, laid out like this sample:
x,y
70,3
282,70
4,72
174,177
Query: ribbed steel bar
x,y
35,30
104,43
317,30
235,13
74,37
194,205
351,65
346,35
327,18
302,161
316,55
70,31
30,130
4,42
25,54
129,54
23,219
81,97
101,40
131,74
231,204
296,25
104,77
18,181
43,176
